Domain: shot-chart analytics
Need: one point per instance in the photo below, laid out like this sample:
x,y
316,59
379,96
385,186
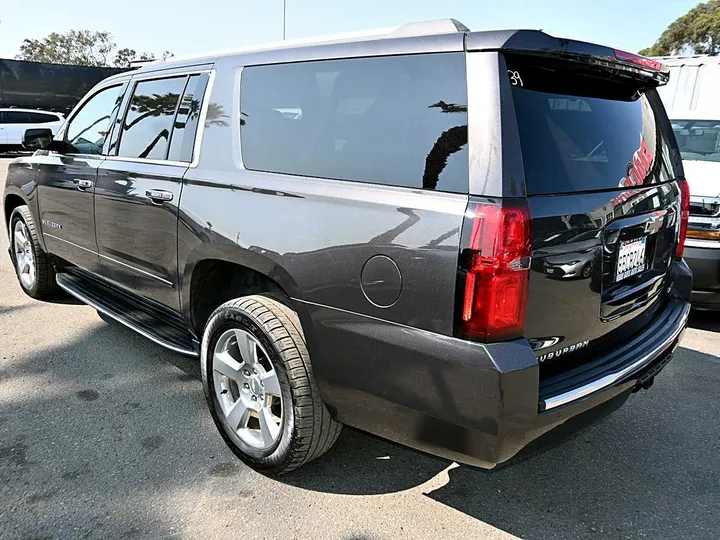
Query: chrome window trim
x,y
138,78
149,161
608,380
203,117
237,117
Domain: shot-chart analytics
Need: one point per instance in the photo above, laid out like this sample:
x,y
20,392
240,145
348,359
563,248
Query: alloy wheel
x,y
24,259
248,389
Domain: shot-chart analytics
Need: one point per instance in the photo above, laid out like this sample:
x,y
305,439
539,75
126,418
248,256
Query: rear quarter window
x,y
581,134
398,121
42,118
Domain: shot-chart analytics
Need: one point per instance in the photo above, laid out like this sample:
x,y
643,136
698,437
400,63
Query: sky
x,y
187,27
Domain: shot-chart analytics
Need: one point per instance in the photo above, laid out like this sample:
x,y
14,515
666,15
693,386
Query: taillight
x,y
494,270
638,60
684,215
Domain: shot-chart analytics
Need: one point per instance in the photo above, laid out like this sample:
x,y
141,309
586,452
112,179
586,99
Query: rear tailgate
x,y
600,164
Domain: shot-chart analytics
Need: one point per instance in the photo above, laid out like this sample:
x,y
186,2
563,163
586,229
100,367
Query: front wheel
x,y
32,267
259,385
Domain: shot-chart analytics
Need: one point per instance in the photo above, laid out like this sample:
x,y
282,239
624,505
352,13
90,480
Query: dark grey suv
x,y
463,242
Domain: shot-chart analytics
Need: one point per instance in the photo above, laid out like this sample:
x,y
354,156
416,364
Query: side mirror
x,y
37,139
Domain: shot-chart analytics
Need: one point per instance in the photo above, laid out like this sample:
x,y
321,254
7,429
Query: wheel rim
x,y
247,389
24,259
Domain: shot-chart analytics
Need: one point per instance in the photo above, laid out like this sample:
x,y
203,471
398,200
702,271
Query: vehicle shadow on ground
x,y
705,320
649,470
114,411
97,436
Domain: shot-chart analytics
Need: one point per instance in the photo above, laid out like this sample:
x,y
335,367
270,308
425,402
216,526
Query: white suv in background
x,y
14,122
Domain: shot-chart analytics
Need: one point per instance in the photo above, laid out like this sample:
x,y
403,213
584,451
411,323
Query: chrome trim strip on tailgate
x,y
608,380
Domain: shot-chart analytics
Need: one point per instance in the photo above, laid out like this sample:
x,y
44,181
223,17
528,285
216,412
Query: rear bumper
x,y
705,265
479,404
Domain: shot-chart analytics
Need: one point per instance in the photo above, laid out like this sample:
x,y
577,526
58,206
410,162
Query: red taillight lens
x,y
684,215
638,60
496,269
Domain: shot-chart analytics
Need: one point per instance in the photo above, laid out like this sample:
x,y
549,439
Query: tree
x,y
81,47
697,31
125,56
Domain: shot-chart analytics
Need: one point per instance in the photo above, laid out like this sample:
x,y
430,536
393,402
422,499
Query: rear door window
x,y
398,121
186,122
583,133
149,119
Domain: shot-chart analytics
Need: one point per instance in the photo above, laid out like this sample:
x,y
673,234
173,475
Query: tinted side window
x,y
17,117
389,120
41,118
149,120
87,130
186,122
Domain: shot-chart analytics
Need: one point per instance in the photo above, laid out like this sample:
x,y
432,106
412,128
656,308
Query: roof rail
x,y
426,28
439,26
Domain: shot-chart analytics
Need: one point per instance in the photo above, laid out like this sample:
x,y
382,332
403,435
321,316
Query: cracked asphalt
x,y
103,434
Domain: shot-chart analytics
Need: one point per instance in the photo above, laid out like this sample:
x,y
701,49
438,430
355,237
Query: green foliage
x,y
82,48
698,31
123,57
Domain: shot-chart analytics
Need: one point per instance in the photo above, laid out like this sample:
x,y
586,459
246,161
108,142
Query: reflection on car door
x,y
66,181
138,190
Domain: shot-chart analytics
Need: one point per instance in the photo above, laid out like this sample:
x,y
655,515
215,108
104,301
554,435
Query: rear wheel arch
x,y
212,280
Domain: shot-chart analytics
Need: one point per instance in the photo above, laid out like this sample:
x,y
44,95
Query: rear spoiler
x,y
535,42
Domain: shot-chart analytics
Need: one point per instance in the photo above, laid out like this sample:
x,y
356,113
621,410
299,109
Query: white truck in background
x,y
692,101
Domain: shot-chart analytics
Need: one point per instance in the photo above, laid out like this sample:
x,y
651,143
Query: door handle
x,y
159,196
83,184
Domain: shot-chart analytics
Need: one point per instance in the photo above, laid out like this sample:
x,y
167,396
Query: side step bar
x,y
120,307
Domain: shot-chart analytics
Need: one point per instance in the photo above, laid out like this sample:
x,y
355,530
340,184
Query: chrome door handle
x,y
159,195
83,184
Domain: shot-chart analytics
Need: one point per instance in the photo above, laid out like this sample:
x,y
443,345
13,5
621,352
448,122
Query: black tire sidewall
x,y
226,318
14,218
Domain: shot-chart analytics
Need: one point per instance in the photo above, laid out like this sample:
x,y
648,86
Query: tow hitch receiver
x,y
647,379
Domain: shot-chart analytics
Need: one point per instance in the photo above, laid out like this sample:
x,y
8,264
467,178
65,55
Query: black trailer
x,y
53,87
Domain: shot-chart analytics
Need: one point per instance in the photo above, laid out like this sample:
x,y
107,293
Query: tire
x,y
42,284
306,429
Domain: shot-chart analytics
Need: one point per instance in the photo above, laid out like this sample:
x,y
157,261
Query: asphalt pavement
x,y
104,434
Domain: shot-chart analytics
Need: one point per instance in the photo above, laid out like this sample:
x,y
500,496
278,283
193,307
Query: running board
x,y
113,303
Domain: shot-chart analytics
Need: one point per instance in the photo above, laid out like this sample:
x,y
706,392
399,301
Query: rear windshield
x,y
583,132
699,140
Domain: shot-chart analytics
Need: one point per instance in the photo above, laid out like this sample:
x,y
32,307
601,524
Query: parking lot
x,y
104,434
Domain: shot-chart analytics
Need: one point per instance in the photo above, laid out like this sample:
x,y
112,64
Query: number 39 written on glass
x,y
515,78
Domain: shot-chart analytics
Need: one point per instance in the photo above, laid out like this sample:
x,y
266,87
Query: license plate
x,y
631,259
